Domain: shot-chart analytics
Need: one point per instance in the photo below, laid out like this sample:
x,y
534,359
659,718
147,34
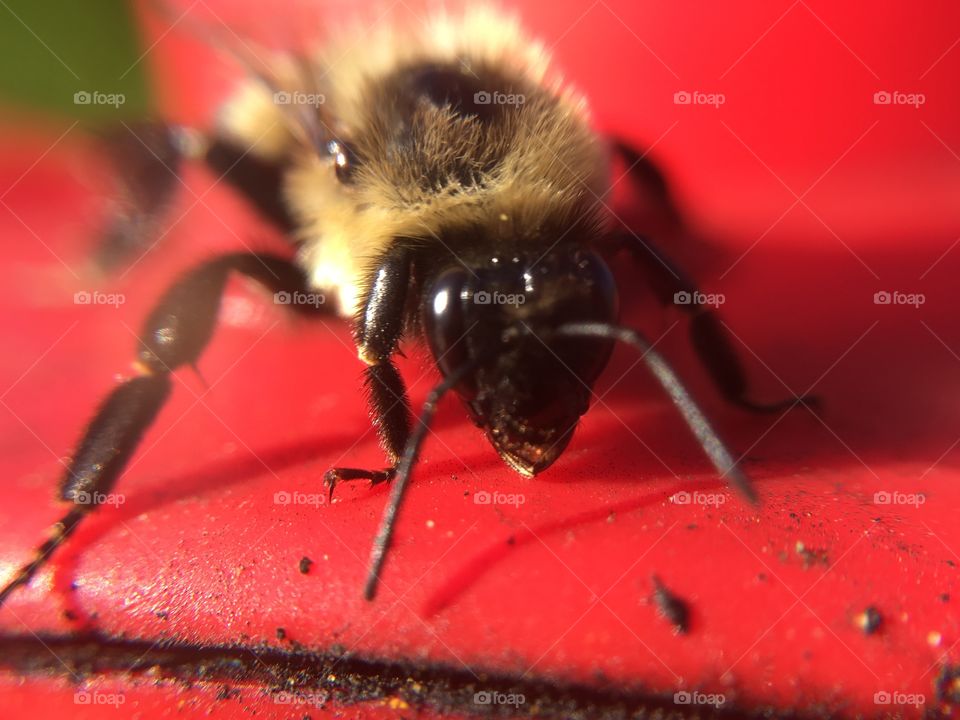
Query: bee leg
x,y
148,159
710,338
174,334
657,209
258,179
379,326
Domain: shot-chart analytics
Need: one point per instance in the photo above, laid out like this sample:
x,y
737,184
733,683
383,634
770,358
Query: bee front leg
x,y
379,327
174,334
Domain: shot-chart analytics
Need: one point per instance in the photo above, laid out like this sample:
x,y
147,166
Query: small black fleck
x,y
305,564
281,634
947,685
511,540
673,608
870,620
812,556
226,692
944,597
162,614
69,615
951,563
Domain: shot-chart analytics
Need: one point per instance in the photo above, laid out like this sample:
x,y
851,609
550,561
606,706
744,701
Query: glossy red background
x,y
814,196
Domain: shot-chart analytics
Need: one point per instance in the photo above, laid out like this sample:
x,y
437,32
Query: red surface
x,y
200,536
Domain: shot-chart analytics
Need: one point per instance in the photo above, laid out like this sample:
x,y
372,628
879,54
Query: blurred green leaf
x,y
75,58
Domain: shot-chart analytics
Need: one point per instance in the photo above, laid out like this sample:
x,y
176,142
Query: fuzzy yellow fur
x,y
554,169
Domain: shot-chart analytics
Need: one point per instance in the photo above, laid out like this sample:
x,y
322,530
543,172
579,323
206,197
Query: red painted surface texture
x,y
817,199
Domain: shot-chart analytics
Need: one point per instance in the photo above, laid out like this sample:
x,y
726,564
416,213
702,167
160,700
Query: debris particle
x,y
945,597
947,685
674,609
281,634
934,638
305,564
511,540
226,692
431,524
869,620
396,703
811,556
612,517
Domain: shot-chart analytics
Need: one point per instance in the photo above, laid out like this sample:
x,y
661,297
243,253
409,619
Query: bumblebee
x,y
439,184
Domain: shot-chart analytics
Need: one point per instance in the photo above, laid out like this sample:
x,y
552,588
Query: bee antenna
x,y
384,538
710,441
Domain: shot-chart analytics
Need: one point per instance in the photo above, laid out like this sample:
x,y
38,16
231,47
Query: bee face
x,y
528,389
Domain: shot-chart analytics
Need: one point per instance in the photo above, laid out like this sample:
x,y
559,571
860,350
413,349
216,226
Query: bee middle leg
x,y
673,286
379,327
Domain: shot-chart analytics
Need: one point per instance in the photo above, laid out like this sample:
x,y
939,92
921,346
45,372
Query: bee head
x,y
527,389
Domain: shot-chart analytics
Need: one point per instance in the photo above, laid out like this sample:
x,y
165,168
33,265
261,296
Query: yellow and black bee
x,y
440,184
